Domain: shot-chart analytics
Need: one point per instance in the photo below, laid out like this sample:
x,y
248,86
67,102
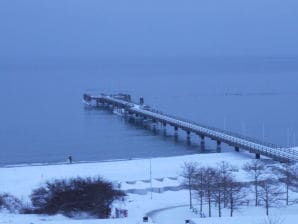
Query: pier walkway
x,y
129,108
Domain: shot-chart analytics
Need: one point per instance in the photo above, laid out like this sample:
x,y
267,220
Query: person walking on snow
x,y
70,159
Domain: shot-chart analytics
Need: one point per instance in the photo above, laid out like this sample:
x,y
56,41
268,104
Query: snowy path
x,y
246,215
160,216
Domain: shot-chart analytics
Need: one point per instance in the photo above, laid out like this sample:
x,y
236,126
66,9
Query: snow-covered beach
x,y
160,197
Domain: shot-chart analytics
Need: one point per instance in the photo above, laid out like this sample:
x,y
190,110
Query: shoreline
x,y
96,161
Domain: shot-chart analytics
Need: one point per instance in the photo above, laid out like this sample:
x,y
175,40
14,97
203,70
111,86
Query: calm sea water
x,y
43,119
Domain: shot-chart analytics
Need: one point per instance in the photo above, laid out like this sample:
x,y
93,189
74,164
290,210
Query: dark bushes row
x,y
91,196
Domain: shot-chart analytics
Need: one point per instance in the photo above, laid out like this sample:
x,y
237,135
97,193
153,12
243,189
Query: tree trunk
x,y
256,191
287,193
225,197
201,193
209,202
232,205
267,203
201,202
219,203
190,197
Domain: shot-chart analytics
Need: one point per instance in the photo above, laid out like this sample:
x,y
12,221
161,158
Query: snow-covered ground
x,y
20,181
59,219
166,204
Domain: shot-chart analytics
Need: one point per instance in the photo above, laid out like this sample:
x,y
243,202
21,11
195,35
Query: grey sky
x,y
96,28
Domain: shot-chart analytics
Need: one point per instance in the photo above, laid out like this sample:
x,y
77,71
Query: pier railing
x,y
234,139
275,147
255,140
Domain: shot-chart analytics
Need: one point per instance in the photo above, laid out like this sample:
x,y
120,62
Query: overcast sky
x,y
151,28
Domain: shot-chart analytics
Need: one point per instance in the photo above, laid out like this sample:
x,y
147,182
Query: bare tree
x,y
236,194
222,177
218,191
227,191
225,174
189,173
255,169
270,193
295,173
287,174
205,183
209,186
199,185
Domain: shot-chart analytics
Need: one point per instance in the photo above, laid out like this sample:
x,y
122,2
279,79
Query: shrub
x,y
93,196
10,203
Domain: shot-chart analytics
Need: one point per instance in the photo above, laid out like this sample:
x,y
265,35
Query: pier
x,y
127,107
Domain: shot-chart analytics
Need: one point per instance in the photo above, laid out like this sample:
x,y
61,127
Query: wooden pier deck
x,y
123,102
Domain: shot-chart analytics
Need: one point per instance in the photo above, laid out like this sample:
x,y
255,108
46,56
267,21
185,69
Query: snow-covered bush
x,y
93,196
10,203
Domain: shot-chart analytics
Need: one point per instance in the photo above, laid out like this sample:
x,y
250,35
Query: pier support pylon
x,y
237,149
202,143
176,133
188,137
154,128
218,146
258,156
164,128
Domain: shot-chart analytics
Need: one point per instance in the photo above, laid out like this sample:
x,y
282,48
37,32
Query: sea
x,y
43,119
